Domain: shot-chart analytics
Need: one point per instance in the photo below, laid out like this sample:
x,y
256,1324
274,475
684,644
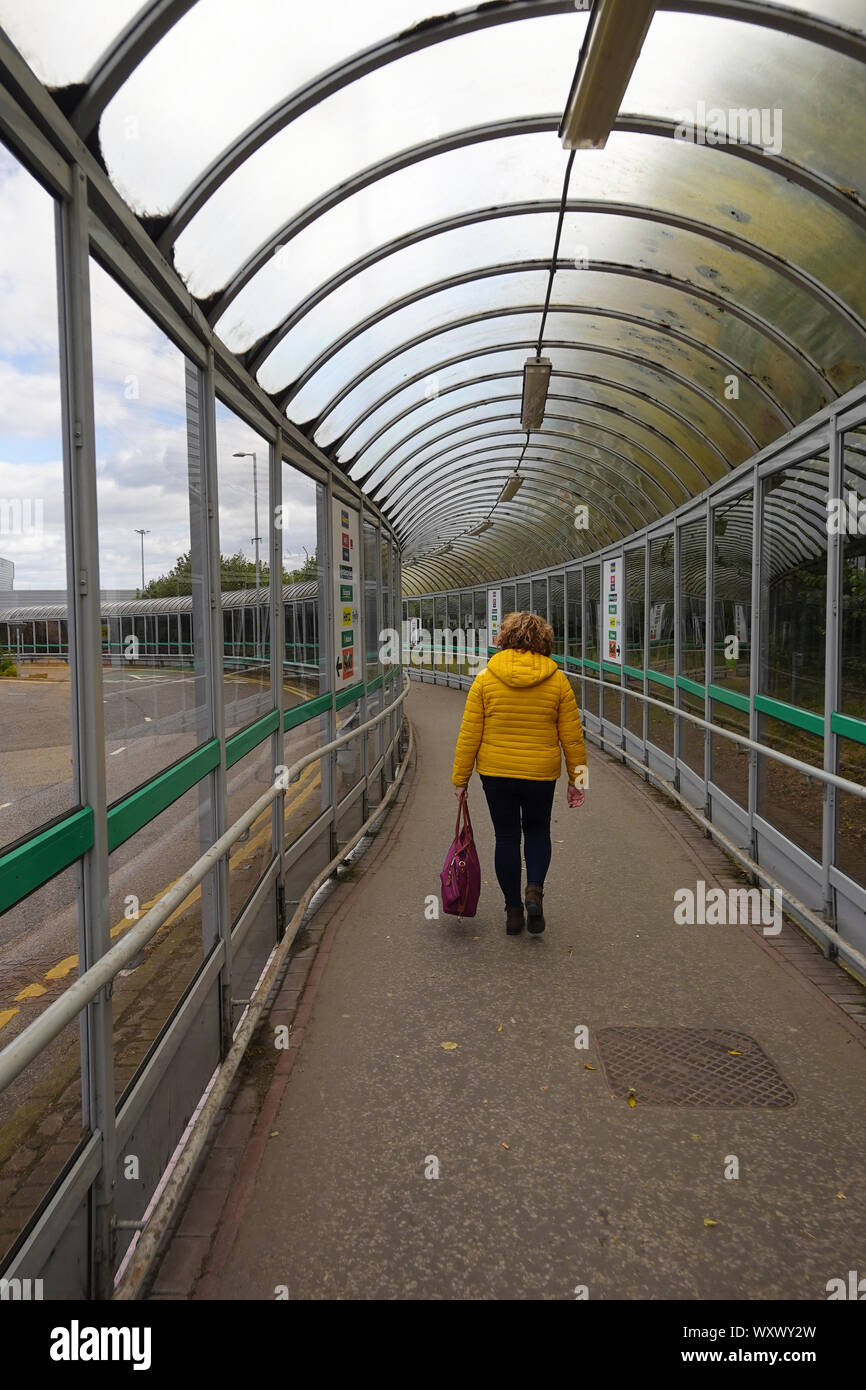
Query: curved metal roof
x,y
365,200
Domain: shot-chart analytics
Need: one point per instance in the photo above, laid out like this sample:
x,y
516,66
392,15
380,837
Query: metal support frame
x,y
278,629
79,462
832,674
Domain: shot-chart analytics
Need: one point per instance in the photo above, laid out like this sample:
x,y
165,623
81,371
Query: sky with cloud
x,y
139,397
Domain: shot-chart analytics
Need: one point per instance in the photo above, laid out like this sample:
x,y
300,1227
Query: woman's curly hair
x,y
526,632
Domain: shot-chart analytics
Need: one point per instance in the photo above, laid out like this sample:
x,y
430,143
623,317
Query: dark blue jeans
x,y
516,802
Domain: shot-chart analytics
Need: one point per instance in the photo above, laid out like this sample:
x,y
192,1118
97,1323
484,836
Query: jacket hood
x,y
521,668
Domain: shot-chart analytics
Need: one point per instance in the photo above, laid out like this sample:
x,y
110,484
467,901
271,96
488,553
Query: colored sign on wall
x,y
613,603
494,615
345,530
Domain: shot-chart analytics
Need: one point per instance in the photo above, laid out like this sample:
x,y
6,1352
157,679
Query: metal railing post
x,y
831,686
79,452
215,644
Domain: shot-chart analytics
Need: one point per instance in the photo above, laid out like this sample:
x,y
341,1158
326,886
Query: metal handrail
x,y
855,788
833,778
26,1047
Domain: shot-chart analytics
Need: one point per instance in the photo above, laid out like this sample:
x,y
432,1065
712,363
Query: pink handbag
x,y
461,872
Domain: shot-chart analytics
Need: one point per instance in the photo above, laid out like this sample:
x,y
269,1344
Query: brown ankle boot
x,y
514,922
534,911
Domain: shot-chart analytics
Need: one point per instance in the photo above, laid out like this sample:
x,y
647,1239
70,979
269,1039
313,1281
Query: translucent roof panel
x,y
63,40
730,67
497,74
276,47
364,199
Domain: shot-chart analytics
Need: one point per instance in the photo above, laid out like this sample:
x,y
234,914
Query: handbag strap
x,y
463,809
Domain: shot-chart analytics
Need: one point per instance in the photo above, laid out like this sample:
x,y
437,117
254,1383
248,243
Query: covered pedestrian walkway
x,y
319,1183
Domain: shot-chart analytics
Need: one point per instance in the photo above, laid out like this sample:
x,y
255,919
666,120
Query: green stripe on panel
x,y
661,678
791,714
149,801
848,726
374,684
634,671
28,866
345,697
693,687
730,697
240,744
593,665
611,667
299,714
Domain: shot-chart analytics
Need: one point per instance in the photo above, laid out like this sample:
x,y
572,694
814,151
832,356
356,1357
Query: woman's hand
x,y
458,791
575,796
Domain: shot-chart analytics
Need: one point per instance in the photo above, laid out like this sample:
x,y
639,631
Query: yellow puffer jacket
x,y
519,710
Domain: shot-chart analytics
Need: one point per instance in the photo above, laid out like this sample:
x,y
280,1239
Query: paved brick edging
x,y
792,949
211,1217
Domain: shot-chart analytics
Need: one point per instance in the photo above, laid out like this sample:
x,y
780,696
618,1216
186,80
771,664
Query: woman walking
x,y
519,711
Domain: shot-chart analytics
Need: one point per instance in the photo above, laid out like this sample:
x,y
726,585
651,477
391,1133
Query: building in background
x,y
7,576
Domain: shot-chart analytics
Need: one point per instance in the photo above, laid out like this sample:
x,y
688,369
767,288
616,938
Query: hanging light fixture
x,y
611,47
536,380
514,484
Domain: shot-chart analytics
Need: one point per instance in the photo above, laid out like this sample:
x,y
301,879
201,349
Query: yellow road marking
x,y
311,773
62,968
31,992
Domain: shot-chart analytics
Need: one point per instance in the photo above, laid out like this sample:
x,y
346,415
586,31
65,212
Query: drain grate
x,y
709,1067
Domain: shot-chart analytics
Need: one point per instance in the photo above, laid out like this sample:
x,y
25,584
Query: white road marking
x,y
118,750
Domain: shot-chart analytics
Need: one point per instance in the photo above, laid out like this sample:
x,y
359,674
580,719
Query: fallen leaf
x,y
448,1046
588,1066
709,1222
732,1052
273,1134
842,1195
632,1099
506,1146
499,1029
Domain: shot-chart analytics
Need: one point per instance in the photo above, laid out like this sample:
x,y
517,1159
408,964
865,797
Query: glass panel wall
x,y
557,613
794,599
574,601
732,641
35,730
660,657
371,601
591,630
147,461
302,529
635,580
243,482
693,620
851,758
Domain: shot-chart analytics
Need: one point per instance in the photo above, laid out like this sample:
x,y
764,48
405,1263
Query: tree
x,y
236,572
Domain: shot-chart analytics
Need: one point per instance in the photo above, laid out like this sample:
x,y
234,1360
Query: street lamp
x,y
243,454
141,532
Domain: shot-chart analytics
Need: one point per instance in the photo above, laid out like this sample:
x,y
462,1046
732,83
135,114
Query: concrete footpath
x,y
320,1182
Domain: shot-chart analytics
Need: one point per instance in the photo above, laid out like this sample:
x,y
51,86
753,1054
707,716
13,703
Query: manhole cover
x,y
691,1066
